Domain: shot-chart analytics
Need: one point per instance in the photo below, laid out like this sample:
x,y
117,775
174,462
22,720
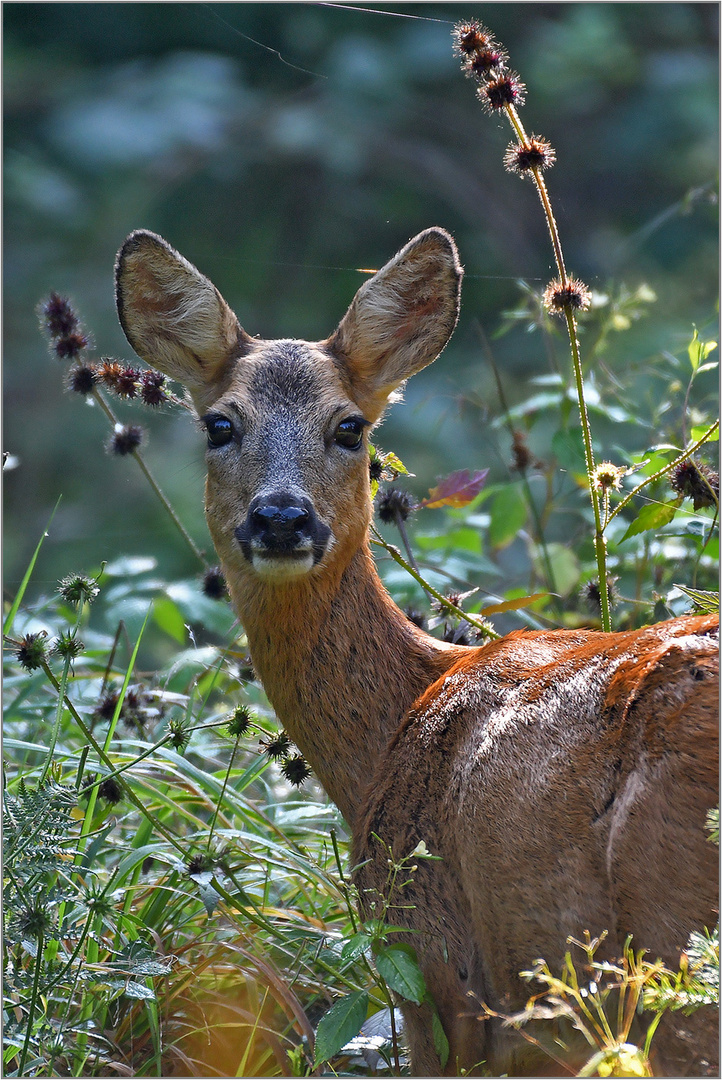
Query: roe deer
x,y
563,776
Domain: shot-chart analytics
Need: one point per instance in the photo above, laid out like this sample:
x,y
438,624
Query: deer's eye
x,y
349,432
219,430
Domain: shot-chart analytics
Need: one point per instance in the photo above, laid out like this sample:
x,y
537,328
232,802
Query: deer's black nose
x,y
282,524
280,521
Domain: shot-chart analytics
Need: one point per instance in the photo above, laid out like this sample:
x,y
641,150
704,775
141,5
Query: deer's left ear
x,y
399,320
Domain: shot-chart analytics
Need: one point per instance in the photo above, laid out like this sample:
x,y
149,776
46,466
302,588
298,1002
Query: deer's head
x,y
287,421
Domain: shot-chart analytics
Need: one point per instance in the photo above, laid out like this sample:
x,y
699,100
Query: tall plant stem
x,y
600,545
33,1001
153,483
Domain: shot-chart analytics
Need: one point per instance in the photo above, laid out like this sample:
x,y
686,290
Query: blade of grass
x,y
8,624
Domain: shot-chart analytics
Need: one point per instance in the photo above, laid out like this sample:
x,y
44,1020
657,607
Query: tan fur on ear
x,y
399,320
173,316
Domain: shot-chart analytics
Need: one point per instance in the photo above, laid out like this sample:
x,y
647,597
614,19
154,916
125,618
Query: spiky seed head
x,y
376,467
278,748
485,63
395,503
152,388
110,790
81,379
125,439
454,597
57,316
590,594
71,346
471,37
108,372
214,583
77,589
246,672
34,919
536,153
240,721
574,296
696,481
608,477
105,709
32,650
296,770
69,645
98,900
502,91
199,864
127,382
180,734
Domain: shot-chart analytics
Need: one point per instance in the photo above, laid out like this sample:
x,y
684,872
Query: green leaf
x,y
355,946
130,566
139,990
395,464
8,624
651,516
456,540
167,616
564,564
698,431
208,894
378,930
397,964
705,600
340,1024
568,449
508,515
391,467
698,350
196,607
513,605
441,1043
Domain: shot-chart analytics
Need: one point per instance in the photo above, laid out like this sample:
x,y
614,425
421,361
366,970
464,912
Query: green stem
x,y
93,796
443,600
221,797
129,793
600,547
344,883
33,1000
667,468
58,717
153,483
600,543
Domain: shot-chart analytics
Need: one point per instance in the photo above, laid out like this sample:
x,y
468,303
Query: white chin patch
x,y
282,567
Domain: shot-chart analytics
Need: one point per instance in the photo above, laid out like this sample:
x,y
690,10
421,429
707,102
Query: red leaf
x,y
457,490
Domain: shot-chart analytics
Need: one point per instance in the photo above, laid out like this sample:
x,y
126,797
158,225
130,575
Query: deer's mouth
x,y
282,535
290,565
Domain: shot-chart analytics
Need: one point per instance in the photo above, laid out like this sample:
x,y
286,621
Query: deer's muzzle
x,y
282,535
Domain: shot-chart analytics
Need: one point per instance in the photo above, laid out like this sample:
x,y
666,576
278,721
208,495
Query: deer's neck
x,y
341,666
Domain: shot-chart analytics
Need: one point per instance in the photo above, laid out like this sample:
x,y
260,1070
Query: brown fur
x,y
563,777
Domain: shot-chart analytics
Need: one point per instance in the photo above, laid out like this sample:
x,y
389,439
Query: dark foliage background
x,y
282,146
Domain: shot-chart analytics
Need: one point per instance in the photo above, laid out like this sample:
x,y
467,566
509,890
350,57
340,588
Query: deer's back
x,y
564,779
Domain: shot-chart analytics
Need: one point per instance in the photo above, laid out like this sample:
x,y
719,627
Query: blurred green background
x,y
282,146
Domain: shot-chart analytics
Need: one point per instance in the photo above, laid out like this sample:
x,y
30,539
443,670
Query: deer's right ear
x,y
172,315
